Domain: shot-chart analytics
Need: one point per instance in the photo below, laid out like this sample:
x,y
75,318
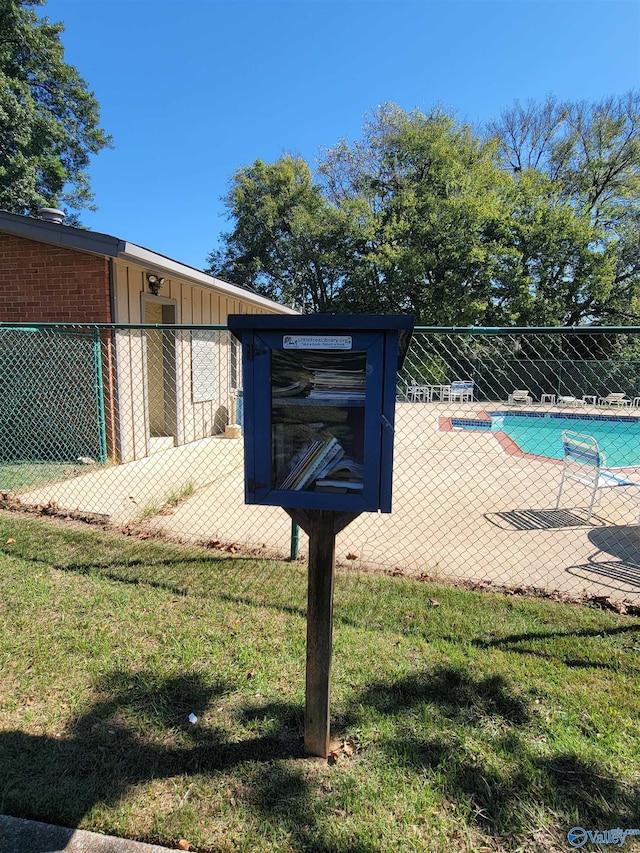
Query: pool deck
x,y
463,508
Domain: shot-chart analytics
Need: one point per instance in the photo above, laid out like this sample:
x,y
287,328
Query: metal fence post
x,y
99,379
295,541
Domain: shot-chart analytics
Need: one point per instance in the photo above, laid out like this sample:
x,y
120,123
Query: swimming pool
x,y
617,437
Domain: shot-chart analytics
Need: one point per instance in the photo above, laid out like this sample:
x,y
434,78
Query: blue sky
x,y
192,90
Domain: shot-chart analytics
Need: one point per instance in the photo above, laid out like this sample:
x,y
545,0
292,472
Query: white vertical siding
x,y
195,304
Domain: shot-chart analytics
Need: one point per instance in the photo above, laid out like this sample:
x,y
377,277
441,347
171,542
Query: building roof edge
x,y
71,237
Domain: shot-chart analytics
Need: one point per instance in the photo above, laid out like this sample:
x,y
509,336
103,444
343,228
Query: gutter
x,y
147,258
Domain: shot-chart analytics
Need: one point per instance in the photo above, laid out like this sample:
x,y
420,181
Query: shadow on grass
x,y
194,574
502,797
122,741
435,728
283,800
502,787
139,732
524,644
453,690
200,577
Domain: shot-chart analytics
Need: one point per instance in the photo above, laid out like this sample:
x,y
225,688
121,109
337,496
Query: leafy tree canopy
x,y
48,117
424,188
590,156
287,235
533,220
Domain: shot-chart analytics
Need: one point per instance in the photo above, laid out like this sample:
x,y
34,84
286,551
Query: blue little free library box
x,y
319,406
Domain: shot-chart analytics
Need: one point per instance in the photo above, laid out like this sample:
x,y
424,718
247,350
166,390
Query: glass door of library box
x,y
318,426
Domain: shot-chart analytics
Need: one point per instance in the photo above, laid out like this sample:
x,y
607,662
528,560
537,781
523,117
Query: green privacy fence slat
x,y
50,392
479,331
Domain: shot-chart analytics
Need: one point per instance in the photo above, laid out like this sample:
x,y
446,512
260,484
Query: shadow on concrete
x,y
621,574
617,575
621,541
539,519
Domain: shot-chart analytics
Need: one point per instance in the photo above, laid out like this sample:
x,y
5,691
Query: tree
x,y
376,232
286,235
48,117
535,222
545,265
421,191
589,155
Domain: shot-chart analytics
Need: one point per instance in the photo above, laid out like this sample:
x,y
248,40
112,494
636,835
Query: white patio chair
x,y
460,390
584,463
521,396
617,399
418,393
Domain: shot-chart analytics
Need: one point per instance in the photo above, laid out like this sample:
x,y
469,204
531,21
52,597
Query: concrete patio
x,y
463,508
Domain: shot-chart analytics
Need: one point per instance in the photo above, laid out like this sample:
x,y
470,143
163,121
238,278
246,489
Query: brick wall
x,y
51,284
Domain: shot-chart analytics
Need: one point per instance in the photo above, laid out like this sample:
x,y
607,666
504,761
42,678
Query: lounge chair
x,y
617,399
566,400
584,463
521,396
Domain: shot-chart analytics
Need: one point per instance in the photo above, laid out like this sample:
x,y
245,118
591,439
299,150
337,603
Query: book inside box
x,y
317,401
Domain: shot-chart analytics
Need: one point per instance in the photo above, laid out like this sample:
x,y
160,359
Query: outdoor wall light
x,y
155,282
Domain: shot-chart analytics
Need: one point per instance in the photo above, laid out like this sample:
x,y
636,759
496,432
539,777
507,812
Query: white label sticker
x,y
316,342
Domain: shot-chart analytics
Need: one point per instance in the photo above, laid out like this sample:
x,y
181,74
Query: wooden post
x,y
322,561
321,526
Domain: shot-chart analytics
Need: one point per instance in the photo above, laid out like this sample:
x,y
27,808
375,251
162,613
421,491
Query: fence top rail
x,y
440,330
165,327
528,330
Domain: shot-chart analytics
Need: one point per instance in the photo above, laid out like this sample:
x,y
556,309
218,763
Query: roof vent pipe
x,y
51,214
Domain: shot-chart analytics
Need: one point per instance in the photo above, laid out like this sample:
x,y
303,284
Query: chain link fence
x,y
138,427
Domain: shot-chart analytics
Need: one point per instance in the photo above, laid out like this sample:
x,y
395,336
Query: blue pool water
x,y
618,438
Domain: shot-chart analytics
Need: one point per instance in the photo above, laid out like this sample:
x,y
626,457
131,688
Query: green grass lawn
x,y
464,721
17,476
